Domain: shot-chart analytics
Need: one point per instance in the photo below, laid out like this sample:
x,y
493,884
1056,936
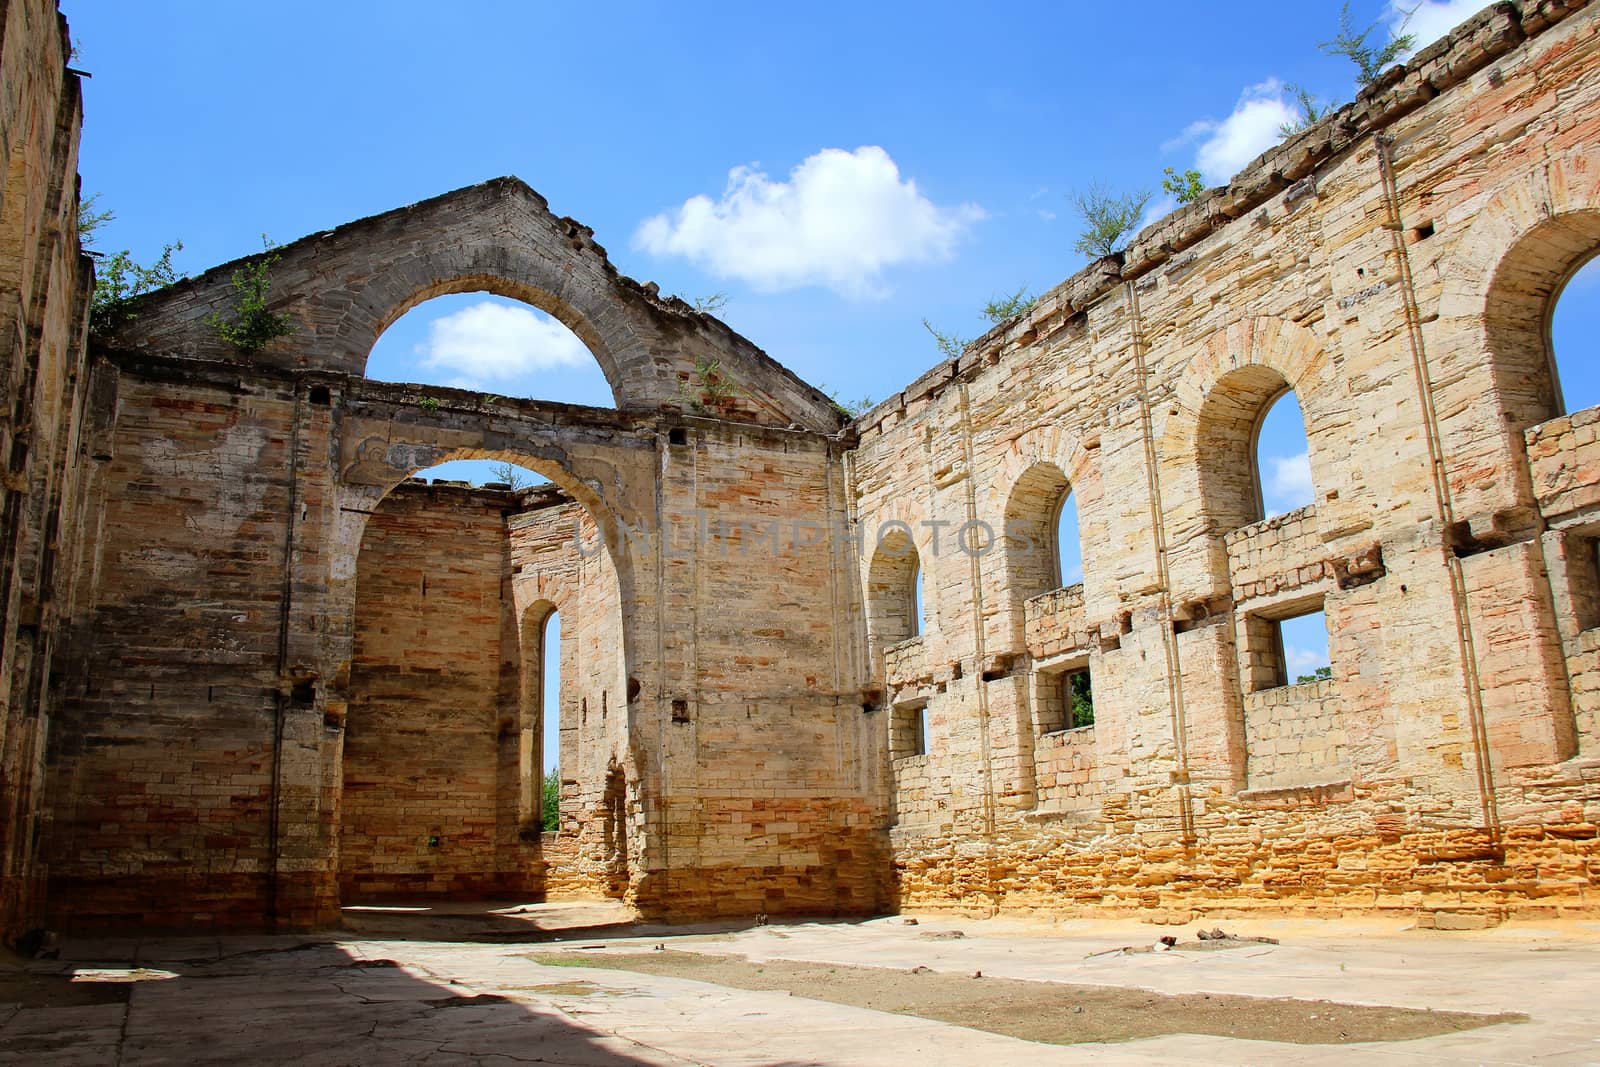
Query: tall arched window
x,y
1575,338
1540,320
550,721
918,618
1041,535
894,588
1068,547
1252,451
1282,458
479,341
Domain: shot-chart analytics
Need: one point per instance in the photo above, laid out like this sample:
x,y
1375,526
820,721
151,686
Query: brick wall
x,y
733,688
432,700
1443,765
45,377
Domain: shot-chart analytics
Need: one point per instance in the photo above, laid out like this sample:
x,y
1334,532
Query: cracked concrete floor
x,y
455,985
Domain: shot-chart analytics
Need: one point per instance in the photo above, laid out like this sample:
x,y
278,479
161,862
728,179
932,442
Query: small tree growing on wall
x,y
90,220
253,326
1370,60
118,279
1310,110
1001,308
1187,187
1108,219
510,474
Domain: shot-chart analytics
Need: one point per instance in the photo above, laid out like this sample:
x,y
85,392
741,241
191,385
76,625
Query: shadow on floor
x,y
303,1004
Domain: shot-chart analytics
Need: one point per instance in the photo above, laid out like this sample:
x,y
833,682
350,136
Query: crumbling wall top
x,y
343,287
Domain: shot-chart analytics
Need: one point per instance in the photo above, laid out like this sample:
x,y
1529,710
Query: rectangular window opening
x,y
1286,649
1077,698
909,731
1583,578
1064,698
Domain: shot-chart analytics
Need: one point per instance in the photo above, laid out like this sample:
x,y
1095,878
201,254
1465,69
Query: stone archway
x,y
438,795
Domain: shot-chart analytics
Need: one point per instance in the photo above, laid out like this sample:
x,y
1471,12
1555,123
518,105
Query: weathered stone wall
x,y
756,719
45,381
769,768
164,755
560,563
1393,266
433,676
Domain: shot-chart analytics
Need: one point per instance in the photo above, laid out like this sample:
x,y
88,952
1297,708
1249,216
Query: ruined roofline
x,y
1401,90
204,288
527,501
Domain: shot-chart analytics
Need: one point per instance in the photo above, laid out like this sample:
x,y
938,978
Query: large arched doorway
x,y
466,574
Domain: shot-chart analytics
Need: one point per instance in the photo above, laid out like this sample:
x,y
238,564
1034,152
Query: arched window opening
x,y
489,344
1251,448
550,723
1068,549
1041,534
1575,339
919,619
1282,458
1539,322
895,606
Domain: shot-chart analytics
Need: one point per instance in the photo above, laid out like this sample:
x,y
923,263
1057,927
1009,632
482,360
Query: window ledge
x,y
1068,731
1335,791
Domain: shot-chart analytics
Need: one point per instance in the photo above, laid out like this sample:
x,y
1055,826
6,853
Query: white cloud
x,y
1303,660
840,220
1289,482
1432,19
1253,127
493,342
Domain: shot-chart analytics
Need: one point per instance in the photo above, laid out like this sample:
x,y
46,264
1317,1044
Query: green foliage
x,y
997,310
710,305
1001,308
1321,674
118,280
550,809
430,404
90,220
950,345
1108,219
1082,698
708,389
1369,59
1312,111
848,408
509,473
253,326
1187,187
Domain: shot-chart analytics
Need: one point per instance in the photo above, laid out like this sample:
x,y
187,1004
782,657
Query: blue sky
x,y
840,171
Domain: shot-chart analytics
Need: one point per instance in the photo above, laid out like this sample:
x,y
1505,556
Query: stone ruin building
x,y
252,670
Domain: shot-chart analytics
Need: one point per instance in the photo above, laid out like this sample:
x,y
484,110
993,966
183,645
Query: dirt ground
x,y
1054,1012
